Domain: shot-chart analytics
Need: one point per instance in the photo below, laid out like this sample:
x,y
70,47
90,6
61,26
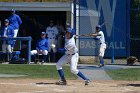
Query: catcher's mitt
x,y
131,60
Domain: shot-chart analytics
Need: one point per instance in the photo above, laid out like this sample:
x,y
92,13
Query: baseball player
x,y
52,33
15,22
6,31
42,47
100,36
71,56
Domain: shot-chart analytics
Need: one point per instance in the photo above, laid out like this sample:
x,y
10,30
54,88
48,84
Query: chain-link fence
x,y
121,28
113,13
135,28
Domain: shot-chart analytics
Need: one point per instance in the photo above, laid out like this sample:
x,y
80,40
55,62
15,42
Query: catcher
x,y
131,60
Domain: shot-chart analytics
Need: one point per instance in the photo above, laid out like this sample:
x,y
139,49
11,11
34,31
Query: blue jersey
x,y
8,31
15,21
42,44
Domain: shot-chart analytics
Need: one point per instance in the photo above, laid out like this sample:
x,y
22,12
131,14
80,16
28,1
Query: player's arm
x,y
19,20
47,30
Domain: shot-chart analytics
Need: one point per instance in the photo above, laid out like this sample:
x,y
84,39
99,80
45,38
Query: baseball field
x,y
42,78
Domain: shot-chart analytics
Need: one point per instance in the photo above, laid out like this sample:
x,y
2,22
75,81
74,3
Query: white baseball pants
x,y
102,50
44,52
71,59
15,32
52,43
6,48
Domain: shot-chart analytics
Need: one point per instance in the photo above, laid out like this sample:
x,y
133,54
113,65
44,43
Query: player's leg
x,y
73,67
45,53
63,60
33,53
4,46
51,52
15,32
101,55
14,41
49,56
4,50
9,50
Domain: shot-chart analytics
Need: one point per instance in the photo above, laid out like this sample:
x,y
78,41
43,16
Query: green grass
x,y
125,74
35,71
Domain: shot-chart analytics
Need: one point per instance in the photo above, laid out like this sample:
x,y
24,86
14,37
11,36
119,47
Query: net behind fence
x,y
135,28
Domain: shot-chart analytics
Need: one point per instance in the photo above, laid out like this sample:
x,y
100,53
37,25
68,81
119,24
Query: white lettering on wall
x,y
110,45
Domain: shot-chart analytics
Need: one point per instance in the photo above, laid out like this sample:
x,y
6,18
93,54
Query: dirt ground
x,y
74,86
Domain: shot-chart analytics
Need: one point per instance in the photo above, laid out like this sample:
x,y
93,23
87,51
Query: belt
x,y
72,54
102,43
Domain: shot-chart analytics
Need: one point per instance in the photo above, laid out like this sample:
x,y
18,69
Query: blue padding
x,y
14,52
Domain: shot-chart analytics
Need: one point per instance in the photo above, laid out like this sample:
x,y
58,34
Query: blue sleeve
x,y
19,20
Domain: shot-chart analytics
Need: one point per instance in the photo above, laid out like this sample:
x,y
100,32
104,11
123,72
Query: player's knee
x,y
31,52
58,66
74,71
45,52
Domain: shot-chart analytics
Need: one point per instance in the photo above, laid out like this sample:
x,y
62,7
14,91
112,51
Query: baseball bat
x,y
102,24
91,33
83,35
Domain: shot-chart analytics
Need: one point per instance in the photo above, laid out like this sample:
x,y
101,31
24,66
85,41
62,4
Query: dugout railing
x,y
22,39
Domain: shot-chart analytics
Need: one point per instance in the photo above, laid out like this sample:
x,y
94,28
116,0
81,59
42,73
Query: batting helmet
x,y
98,27
71,31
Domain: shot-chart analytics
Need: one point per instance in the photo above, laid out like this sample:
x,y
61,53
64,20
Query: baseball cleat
x,y
61,82
87,82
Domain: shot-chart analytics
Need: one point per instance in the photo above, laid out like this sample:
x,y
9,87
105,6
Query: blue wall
x,y
94,12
